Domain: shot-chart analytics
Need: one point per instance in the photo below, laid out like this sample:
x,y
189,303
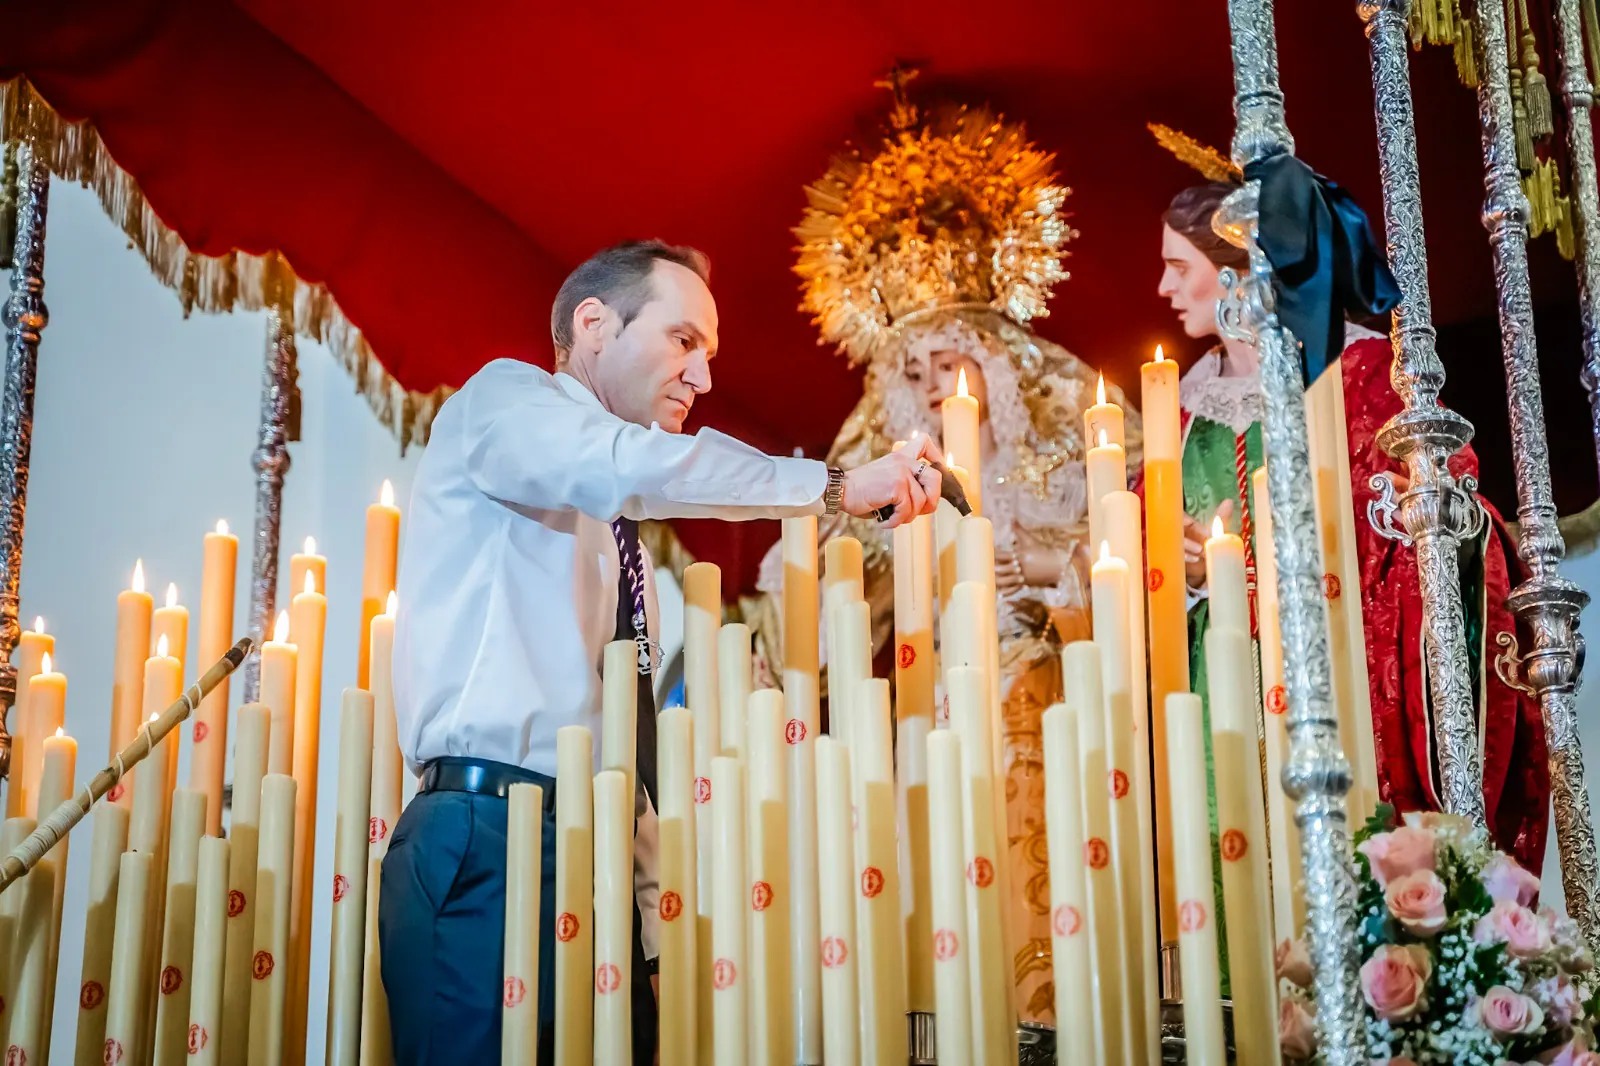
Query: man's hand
x,y
904,478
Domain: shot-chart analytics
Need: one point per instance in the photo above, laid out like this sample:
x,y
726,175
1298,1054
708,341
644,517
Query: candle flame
x,y
138,576
154,715
280,631
311,545
950,460
386,494
393,604
172,594
961,382
38,625
161,647
44,663
1102,438
1160,355
1216,526
222,527
1105,551
311,581
61,731
1100,390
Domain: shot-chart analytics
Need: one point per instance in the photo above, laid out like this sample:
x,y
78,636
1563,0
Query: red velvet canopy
x,y
440,168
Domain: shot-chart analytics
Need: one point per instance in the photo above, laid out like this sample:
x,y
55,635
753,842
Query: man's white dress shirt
x,y
508,573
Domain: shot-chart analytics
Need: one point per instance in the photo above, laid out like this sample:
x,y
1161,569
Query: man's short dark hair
x,y
620,277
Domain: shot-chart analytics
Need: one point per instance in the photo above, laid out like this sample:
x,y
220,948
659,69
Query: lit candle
x,y
841,1037
1080,669
1069,903
210,732
1103,418
1110,600
171,620
960,422
947,873
801,706
307,560
387,772
1288,905
134,606
771,1011
519,1021
45,710
882,934
352,832
1107,472
125,1006
619,709
613,918
26,736
575,896
308,617
702,619
1168,597
175,982
733,685
377,572
1242,829
1197,922
60,761
914,694
1225,580
278,669
730,888
269,964
106,848
244,833
210,949
679,984
152,798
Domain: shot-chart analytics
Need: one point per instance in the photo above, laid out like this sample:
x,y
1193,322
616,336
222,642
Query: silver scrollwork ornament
x,y
271,464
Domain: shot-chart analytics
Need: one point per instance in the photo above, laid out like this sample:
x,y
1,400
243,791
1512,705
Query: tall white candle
x,y
210,729
387,774
351,839
960,429
801,705
210,951
771,1022
269,965
947,871
574,896
702,620
914,694
125,1009
619,710
882,936
613,919
1106,471
835,872
676,907
106,848
519,1027
730,889
175,980
733,685
251,743
1069,902
30,961
1191,845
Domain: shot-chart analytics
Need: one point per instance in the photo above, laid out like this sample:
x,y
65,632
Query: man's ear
x,y
589,323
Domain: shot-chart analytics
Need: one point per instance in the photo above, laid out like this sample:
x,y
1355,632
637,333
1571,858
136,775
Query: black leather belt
x,y
483,777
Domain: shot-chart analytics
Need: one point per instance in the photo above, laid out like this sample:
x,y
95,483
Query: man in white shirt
x,y
521,561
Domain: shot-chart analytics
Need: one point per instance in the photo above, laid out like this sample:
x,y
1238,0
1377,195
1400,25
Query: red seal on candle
x,y
760,895
1118,782
945,945
171,980
1234,845
1331,587
1277,699
91,995
113,1052
201,731
1191,916
261,965
834,952
15,1056
1156,579
871,882
980,871
1096,854
671,906
702,790
197,1038
567,926
908,656
944,708
115,796
794,731
516,991
1066,920
377,829
723,974
607,978
341,885
235,903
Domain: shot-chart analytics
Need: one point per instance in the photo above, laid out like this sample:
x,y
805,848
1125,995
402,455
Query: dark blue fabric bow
x,y
1325,261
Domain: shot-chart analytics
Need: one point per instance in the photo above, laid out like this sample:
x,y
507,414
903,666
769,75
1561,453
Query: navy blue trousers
x,y
441,928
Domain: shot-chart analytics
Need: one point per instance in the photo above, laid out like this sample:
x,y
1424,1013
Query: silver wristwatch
x,y
833,495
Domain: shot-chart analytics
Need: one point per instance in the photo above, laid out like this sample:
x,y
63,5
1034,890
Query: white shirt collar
x,y
577,389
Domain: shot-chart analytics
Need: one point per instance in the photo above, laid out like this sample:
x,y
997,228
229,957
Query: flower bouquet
x,y
1456,964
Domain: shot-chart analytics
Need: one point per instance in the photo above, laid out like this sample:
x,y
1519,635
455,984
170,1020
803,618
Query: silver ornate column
x,y
1436,512
1579,97
25,318
1546,603
1317,775
271,462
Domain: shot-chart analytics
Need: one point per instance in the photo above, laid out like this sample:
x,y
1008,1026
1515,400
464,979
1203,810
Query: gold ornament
x,y
1212,164
959,210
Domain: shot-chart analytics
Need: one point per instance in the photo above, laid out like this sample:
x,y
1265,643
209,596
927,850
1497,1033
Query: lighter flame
x,y
392,605
38,625
1105,551
961,382
311,581
1102,438
1160,356
154,715
311,545
280,631
172,594
386,494
1100,390
161,647
45,664
222,527
138,575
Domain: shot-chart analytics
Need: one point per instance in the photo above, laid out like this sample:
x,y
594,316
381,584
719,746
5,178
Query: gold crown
x,y
957,210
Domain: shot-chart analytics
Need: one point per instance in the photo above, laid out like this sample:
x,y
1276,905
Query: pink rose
x,y
1417,902
1297,1033
1505,881
1507,1013
1524,933
1403,851
1573,1053
1293,962
1394,981
1559,998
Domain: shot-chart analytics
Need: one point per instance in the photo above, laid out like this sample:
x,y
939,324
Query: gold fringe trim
x,y
213,284
1549,211
1441,22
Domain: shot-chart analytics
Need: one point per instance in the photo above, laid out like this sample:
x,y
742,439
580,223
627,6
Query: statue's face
x,y
1189,283
937,375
